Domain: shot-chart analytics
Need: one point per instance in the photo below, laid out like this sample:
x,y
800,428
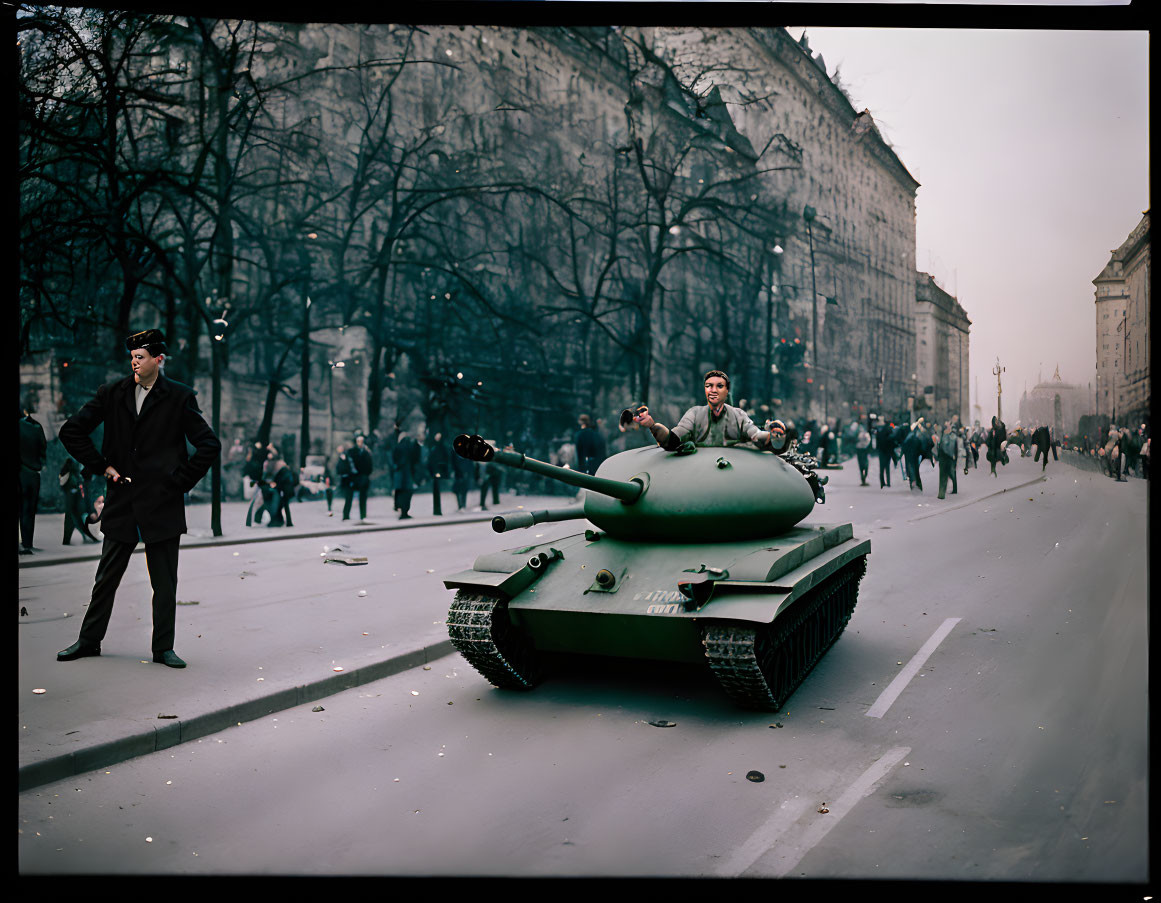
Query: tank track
x,y
480,628
760,665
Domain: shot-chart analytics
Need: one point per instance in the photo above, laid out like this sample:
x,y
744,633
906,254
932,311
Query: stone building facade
x,y
942,333
1122,329
861,285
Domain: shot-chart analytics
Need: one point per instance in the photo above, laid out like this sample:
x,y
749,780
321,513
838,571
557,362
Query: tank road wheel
x,y
760,665
481,630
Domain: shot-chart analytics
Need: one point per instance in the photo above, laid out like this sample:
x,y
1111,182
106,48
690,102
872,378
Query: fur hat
x,y
152,340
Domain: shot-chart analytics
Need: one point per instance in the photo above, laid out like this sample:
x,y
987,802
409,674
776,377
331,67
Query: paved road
x,y
1014,750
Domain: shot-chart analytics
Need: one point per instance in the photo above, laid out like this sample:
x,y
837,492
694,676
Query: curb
x,y
112,752
247,540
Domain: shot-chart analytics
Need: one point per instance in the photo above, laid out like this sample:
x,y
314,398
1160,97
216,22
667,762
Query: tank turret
x,y
650,494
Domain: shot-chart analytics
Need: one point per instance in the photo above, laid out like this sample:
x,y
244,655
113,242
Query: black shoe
x,y
26,551
405,516
169,657
77,650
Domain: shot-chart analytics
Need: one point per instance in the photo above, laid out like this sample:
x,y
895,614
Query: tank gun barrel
x,y
474,448
501,523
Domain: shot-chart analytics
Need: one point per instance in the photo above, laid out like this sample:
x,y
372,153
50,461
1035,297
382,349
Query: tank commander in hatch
x,y
718,424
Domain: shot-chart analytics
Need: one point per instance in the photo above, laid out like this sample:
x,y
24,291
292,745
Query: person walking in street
x,y
912,450
405,461
281,485
1042,441
251,482
361,467
948,451
33,450
997,436
438,462
76,508
461,480
863,453
148,420
885,444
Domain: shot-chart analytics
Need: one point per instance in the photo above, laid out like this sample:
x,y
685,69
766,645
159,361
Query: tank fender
x,y
508,572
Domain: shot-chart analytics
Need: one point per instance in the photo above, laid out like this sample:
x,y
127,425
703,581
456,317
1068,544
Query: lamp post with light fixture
x,y
773,288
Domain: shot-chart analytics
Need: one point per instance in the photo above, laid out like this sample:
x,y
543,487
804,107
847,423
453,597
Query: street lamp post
x,y
808,214
999,390
218,335
775,283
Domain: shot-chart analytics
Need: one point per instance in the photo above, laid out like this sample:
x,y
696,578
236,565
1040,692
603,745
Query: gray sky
x,y
1031,149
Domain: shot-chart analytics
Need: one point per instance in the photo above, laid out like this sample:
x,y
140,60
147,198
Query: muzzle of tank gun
x,y
474,448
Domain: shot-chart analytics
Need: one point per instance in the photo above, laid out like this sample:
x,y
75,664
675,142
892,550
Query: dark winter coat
x,y
405,460
150,449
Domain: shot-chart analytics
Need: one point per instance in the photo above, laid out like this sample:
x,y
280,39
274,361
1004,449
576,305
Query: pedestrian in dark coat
x,y
1042,440
885,441
76,508
461,479
148,420
862,453
281,491
913,447
438,464
590,446
947,451
405,461
361,466
997,436
33,449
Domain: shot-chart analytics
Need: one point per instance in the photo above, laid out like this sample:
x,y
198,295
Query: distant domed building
x,y
1055,403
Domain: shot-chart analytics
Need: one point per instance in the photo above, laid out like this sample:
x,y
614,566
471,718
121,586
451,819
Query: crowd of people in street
x,y
271,483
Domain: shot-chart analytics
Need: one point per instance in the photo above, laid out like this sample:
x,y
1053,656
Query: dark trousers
x,y
29,498
494,483
75,515
348,498
885,463
280,509
403,501
435,500
912,462
946,469
161,563
862,454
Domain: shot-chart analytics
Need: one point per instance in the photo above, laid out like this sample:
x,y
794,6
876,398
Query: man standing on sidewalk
x,y
148,419
33,448
360,466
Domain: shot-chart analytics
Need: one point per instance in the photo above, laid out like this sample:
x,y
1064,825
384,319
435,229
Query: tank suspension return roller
x,y
474,448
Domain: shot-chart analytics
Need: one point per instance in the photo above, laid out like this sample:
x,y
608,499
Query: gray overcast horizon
x,y
1032,153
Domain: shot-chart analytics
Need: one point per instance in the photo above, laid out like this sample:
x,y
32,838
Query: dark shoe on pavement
x,y
169,658
25,551
77,650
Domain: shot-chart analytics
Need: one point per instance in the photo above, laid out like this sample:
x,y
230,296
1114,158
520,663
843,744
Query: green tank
x,y
697,556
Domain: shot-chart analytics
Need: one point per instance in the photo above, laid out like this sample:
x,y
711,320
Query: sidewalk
x,y
263,640
243,663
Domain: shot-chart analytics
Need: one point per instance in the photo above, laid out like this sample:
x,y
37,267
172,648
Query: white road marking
x,y
904,677
790,854
762,839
